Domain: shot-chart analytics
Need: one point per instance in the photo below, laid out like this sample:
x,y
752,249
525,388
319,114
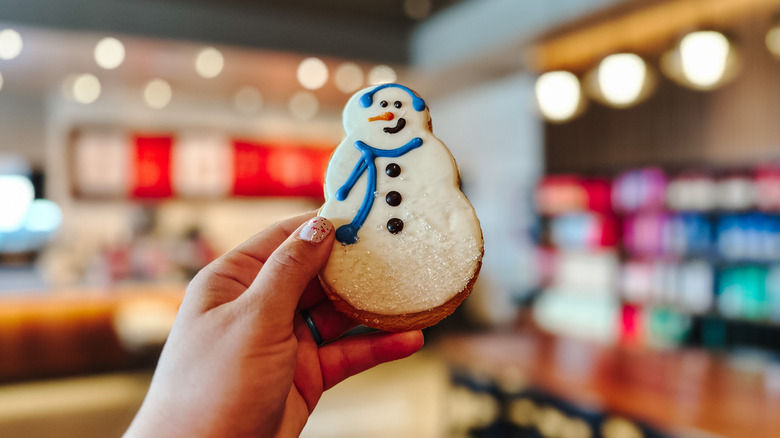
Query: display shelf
x,y
691,250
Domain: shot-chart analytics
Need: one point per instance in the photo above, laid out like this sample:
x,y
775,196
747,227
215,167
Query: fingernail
x,y
315,230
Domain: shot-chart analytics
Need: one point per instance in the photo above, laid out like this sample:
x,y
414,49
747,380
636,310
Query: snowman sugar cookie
x,y
408,243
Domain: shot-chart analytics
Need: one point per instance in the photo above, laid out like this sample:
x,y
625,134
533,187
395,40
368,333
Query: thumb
x,y
276,290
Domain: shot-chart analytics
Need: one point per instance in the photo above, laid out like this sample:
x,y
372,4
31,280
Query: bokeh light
x,y
312,73
304,105
10,44
621,78
704,55
209,63
43,216
773,40
86,88
382,74
109,53
349,77
16,195
248,100
558,94
157,94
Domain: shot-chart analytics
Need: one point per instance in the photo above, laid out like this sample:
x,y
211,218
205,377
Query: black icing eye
x,y
383,104
397,104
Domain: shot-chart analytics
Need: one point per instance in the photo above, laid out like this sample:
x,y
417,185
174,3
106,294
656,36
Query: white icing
x,y
440,247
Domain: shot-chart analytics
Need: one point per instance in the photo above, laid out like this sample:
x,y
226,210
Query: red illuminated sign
x,y
152,169
163,166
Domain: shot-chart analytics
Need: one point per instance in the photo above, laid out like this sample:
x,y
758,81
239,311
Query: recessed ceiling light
x,y
381,74
349,77
621,78
209,62
304,105
312,73
10,44
109,53
248,100
559,95
703,60
773,40
85,88
157,94
704,56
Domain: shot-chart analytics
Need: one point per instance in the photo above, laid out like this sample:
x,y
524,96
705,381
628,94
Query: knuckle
x,y
290,259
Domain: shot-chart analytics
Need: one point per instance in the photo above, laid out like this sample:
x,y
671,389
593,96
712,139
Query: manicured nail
x,y
315,230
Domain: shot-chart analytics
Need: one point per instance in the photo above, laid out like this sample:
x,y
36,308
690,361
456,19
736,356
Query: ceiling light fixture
x,y
558,95
620,80
209,62
312,73
85,88
703,60
382,74
157,94
109,53
248,101
773,40
304,105
704,56
349,77
10,44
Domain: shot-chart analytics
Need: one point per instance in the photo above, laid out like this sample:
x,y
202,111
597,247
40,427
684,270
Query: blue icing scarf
x,y
347,234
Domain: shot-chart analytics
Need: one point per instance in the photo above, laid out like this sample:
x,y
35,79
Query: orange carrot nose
x,y
385,116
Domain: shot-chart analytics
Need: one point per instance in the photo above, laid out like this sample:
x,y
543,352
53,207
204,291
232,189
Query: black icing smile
x,y
397,128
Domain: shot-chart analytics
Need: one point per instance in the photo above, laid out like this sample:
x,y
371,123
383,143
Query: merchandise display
x,y
694,248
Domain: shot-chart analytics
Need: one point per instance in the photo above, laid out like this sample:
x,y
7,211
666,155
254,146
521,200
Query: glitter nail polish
x,y
315,230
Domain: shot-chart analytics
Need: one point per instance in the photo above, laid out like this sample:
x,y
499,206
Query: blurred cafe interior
x,y
623,157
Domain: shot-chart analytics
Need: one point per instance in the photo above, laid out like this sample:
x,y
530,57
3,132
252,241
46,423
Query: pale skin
x,y
240,361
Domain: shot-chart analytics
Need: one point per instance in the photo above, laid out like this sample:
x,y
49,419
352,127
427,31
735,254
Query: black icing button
x,y
393,170
393,199
395,225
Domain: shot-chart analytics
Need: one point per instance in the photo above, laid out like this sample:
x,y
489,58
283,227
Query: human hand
x,y
240,360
